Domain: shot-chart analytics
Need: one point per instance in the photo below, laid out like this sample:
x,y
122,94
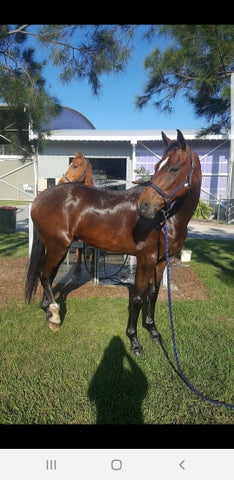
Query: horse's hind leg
x,y
49,270
50,305
153,290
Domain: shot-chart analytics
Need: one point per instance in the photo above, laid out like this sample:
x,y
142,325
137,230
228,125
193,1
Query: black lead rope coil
x,y
181,373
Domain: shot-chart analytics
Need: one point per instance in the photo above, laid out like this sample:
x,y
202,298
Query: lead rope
x,y
181,373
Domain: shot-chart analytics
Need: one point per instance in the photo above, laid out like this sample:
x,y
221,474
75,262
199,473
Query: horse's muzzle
x,y
146,210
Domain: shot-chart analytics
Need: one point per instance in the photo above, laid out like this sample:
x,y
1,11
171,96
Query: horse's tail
x,y
36,259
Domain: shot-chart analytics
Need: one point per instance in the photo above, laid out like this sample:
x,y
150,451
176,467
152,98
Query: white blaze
x,y
162,164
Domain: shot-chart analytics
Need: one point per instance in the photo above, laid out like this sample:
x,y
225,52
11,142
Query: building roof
x,y
132,136
71,125
69,119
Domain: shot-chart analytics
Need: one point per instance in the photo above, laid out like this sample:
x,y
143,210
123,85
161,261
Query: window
x,y
50,182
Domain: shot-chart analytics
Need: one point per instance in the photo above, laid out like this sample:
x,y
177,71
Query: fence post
x,y
30,230
164,277
96,267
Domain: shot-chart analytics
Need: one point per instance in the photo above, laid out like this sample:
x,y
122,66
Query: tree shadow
x,y
118,387
215,252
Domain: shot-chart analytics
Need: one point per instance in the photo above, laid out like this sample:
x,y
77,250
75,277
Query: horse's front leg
x,y
137,296
135,304
153,291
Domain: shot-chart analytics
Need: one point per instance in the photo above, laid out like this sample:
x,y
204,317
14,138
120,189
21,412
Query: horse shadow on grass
x,y
118,387
72,279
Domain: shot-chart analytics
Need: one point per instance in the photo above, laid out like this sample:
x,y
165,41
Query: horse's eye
x,y
75,166
174,169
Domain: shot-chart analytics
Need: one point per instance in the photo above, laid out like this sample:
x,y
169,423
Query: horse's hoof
x,y
156,339
137,351
54,326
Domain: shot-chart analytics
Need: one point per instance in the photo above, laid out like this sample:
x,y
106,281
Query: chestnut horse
x,y
79,170
118,221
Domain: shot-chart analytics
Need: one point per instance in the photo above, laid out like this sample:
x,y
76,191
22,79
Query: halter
x,y
82,175
186,183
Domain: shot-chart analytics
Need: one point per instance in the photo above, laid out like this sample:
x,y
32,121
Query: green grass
x,y
14,244
13,202
86,374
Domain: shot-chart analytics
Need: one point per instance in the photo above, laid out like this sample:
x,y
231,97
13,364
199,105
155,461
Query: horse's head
x,y
76,171
172,177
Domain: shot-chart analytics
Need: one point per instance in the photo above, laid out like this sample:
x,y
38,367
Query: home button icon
x,y
116,464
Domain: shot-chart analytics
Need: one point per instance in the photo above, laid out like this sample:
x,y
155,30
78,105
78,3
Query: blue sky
x,y
114,109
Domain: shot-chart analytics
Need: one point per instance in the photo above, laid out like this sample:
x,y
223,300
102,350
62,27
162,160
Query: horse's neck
x,y
89,176
180,220
89,181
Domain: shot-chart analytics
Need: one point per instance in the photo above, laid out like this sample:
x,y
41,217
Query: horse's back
x,y
62,193
59,204
102,218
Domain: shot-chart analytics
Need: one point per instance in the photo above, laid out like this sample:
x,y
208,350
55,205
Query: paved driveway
x,y
22,218
210,230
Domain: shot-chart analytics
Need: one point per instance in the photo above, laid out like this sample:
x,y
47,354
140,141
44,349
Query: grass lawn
x,y
14,245
86,374
13,203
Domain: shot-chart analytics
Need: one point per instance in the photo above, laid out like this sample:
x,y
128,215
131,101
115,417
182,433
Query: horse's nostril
x,y
144,207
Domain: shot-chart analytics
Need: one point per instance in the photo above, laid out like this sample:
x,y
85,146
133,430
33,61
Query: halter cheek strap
x,y
66,178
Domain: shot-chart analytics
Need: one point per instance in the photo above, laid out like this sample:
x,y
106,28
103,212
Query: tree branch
x,y
19,30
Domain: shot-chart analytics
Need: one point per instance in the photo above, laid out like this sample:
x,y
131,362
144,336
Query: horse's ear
x,y
165,139
180,139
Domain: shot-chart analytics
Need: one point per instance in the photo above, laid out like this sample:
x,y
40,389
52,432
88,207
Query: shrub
x,y
203,211
143,173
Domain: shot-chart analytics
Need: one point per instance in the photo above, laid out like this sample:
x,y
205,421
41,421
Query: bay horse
x,y
79,170
118,221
